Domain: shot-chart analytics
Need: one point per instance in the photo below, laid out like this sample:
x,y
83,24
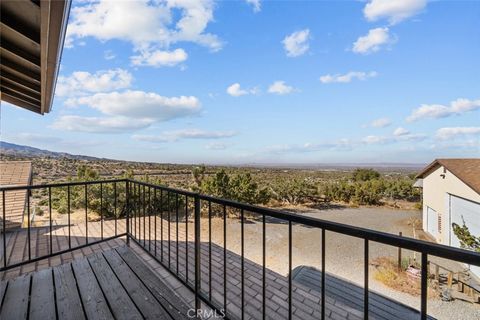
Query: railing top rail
x,y
58,185
165,188
434,249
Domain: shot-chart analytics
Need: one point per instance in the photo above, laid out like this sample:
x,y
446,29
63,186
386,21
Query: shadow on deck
x,y
344,299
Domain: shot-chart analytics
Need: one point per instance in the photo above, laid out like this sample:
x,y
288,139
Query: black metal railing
x,y
203,207
151,212
54,236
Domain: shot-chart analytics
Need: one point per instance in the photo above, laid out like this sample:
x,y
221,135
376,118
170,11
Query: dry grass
x,y
388,274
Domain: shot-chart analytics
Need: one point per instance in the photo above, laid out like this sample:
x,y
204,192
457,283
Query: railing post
x,y
4,222
399,255
424,287
127,201
197,252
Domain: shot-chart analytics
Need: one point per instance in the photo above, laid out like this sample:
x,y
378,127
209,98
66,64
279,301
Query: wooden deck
x,y
349,296
114,284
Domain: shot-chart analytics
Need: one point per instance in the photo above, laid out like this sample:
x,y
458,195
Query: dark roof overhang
x,y
31,43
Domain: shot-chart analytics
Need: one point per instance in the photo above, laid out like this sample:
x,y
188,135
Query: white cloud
x,y
346,144
50,142
372,139
185,134
399,135
435,111
82,82
216,146
373,41
464,105
159,58
199,134
148,25
36,138
471,145
400,132
347,77
393,10
149,138
296,44
279,87
140,105
341,144
429,111
454,132
144,23
109,55
381,123
235,90
411,137
256,4
100,125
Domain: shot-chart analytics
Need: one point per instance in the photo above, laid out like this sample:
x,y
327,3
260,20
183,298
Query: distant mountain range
x,y
7,148
336,166
11,149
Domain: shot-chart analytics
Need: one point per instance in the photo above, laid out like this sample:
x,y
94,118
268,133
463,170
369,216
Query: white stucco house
x,y
451,194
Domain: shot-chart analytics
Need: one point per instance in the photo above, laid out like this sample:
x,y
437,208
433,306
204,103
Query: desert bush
x,y
368,189
368,192
361,174
239,187
401,189
294,191
100,198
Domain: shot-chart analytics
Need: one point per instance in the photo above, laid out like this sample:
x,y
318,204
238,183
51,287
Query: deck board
x,y
175,307
93,299
69,305
145,301
350,297
118,299
42,297
3,287
106,285
15,303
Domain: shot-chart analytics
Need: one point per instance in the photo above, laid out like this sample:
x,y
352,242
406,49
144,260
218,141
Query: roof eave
x,y
53,35
32,38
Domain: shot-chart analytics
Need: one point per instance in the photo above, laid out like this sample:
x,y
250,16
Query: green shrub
x,y
239,187
365,174
294,191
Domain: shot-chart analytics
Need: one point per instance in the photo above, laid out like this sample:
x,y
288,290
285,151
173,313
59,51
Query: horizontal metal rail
x,y
67,188
56,253
59,185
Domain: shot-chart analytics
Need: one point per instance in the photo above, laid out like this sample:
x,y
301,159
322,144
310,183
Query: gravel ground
x,y
344,254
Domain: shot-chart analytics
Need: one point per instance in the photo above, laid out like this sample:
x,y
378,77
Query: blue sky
x,y
264,82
